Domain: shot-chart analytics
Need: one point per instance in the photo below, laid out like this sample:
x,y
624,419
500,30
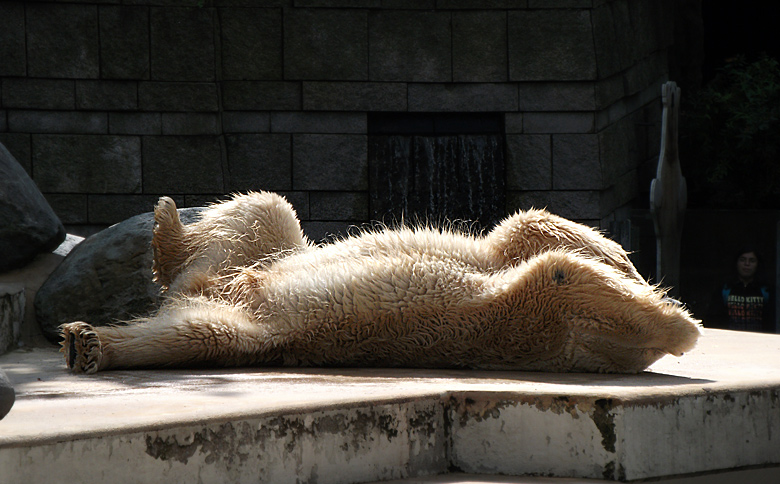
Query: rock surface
x,y
104,279
28,225
11,314
7,395
32,276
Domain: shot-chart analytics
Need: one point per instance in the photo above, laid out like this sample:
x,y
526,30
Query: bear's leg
x,y
195,334
615,323
250,229
532,232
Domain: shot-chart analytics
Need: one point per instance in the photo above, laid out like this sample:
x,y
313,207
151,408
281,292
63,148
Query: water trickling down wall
x,y
438,176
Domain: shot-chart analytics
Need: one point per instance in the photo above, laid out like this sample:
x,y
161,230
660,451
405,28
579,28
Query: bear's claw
x,y
82,348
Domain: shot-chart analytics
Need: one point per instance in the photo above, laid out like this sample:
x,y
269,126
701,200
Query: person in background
x,y
744,303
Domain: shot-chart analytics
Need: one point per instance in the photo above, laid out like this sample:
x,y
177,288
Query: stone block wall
x,y
110,104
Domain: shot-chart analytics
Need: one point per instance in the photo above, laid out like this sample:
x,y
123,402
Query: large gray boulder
x,y
7,394
11,315
104,279
28,225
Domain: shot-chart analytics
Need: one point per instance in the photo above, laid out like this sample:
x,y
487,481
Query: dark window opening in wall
x,y
436,167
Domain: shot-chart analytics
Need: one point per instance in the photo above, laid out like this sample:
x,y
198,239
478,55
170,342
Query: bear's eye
x,y
559,277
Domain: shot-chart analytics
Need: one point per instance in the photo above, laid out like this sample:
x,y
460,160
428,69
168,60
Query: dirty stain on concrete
x,y
212,443
605,421
516,434
377,442
475,407
614,472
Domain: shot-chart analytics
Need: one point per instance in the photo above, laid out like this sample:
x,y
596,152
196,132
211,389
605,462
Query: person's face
x,y
747,264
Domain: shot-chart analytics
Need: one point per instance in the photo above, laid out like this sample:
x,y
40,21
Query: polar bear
x,y
244,287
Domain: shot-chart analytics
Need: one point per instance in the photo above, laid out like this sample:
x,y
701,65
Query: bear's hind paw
x,y
170,249
82,348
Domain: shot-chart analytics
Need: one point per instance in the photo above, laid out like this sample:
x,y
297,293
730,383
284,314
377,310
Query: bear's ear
x,y
168,243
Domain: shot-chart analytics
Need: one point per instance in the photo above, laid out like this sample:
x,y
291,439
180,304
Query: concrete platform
x,y
715,409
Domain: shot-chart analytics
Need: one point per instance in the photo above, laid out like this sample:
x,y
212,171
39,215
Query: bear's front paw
x,y
81,346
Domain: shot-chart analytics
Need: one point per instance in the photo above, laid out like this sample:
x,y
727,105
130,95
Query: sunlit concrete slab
x,y
716,408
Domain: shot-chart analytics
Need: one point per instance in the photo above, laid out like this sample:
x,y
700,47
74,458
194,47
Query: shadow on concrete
x,y
208,379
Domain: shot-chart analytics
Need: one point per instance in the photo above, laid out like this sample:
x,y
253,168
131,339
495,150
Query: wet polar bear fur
x,y
245,287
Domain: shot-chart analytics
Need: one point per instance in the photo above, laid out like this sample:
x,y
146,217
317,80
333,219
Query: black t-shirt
x,y
744,307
